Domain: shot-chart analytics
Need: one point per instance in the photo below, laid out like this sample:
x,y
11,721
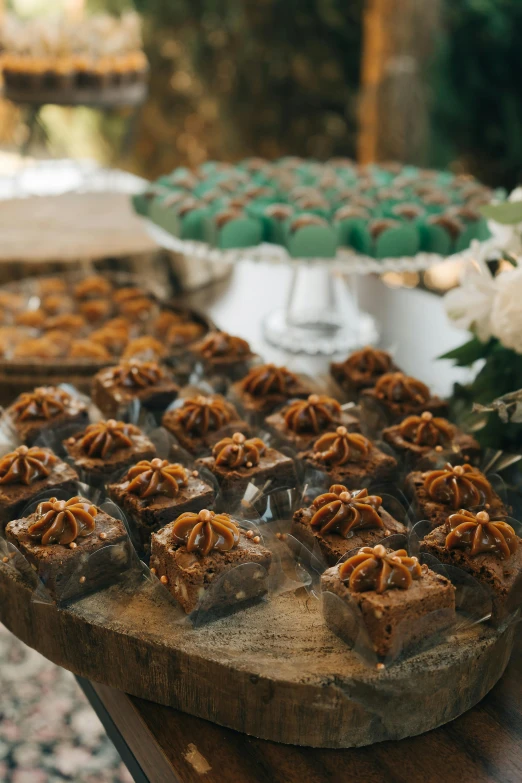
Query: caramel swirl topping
x,y
219,344
25,465
480,534
238,452
379,569
156,477
104,437
311,415
136,374
458,486
205,531
341,511
426,430
397,387
62,522
199,415
269,379
341,446
368,363
46,402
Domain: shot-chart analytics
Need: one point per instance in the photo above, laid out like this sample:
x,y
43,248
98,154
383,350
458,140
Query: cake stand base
x,y
322,315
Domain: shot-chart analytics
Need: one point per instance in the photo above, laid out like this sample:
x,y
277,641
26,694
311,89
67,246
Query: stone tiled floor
x,y
48,731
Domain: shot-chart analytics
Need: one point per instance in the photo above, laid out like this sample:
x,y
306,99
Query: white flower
x,y
469,306
506,313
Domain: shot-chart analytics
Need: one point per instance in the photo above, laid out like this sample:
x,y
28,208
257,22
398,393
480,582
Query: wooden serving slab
x,y
273,671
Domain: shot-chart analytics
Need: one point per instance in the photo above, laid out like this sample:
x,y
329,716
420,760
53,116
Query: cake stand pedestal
x,y
322,314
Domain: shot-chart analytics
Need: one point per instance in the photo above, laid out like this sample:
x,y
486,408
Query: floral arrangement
x,y
488,303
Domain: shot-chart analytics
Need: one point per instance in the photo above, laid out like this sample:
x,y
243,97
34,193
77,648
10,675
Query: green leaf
x,y
509,213
467,354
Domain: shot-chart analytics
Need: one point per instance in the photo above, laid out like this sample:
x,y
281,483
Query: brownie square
x,y
361,370
223,354
375,467
44,409
266,387
502,577
71,572
273,466
152,513
302,439
114,388
187,423
457,446
97,468
15,495
332,545
189,576
396,396
437,512
395,621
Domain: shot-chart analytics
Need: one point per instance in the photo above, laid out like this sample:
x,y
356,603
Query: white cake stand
x,y
322,314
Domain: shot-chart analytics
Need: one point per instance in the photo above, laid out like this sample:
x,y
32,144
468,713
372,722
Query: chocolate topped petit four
x,y
192,555
398,395
223,352
339,520
300,421
267,386
45,408
349,458
114,388
419,436
398,603
58,540
361,370
201,421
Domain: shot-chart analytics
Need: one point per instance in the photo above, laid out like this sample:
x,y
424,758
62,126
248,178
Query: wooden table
x,y
160,744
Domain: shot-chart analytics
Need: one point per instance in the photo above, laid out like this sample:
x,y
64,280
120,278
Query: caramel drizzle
x,y
137,374
156,477
61,522
25,465
397,387
426,430
311,415
42,403
238,452
269,379
480,534
368,363
379,569
341,446
341,511
223,344
458,486
104,437
200,415
205,531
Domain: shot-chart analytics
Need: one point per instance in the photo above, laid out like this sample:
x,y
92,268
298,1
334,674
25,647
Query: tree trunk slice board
x,y
273,671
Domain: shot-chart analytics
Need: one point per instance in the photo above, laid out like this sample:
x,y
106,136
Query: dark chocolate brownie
x,y
45,408
155,492
25,473
196,556
300,422
395,620
343,520
105,448
349,459
487,549
361,370
266,387
237,461
223,354
438,493
73,547
114,388
420,439
201,421
397,395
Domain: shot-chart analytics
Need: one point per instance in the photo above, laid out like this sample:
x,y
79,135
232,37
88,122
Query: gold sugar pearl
x,y
256,539
5,560
83,579
483,517
249,534
427,416
73,545
153,571
195,473
164,580
103,536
